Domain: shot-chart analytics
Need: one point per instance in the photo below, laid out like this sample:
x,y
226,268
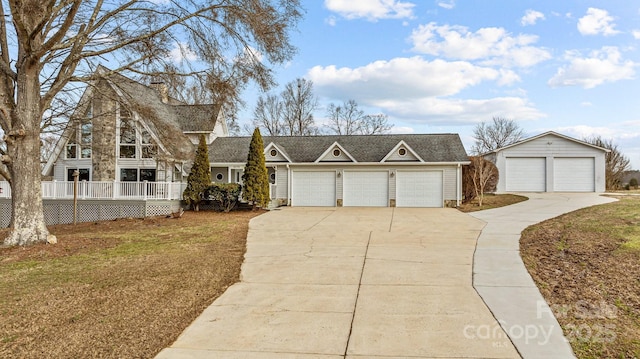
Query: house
x,y
375,170
550,162
125,131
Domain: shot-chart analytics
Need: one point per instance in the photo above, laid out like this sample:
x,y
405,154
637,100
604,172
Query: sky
x,y
442,66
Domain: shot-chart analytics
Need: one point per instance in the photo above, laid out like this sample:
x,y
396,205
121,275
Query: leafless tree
x,y
616,163
290,114
348,119
46,45
478,178
268,115
500,132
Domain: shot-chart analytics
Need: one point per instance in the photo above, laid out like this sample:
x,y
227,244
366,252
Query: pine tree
x,y
256,178
199,177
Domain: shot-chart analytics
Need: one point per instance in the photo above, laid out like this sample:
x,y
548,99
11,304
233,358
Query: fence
x,y
107,190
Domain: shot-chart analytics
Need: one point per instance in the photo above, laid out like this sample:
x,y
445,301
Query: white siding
x,y
329,157
395,156
282,182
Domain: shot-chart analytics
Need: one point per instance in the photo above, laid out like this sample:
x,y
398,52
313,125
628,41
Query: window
x,y
336,152
147,148
127,138
72,147
84,174
86,137
402,152
128,174
219,176
272,178
273,153
148,174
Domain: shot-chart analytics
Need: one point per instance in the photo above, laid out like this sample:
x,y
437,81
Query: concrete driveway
x,y
352,283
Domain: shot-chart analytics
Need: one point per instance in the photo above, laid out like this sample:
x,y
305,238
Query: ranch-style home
x,y
373,171
550,162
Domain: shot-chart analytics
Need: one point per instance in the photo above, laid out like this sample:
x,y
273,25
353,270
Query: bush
x,y
633,182
199,177
226,194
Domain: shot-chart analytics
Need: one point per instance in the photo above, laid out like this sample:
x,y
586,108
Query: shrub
x,y
199,177
256,178
633,182
226,194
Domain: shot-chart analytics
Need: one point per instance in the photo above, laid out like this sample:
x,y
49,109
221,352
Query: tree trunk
x,y
23,146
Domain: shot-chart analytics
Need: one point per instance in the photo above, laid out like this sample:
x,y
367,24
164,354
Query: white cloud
x,y
492,45
331,21
597,21
404,77
402,129
601,66
371,10
448,4
636,34
531,17
182,52
586,104
419,90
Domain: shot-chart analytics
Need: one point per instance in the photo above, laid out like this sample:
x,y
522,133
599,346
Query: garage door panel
x,y
313,188
574,174
366,188
526,174
419,189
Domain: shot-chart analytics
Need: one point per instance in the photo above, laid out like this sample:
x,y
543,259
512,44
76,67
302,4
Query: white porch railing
x,y
106,190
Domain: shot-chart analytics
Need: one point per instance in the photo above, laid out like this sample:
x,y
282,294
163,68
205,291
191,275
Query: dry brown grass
x,y
492,201
117,289
587,264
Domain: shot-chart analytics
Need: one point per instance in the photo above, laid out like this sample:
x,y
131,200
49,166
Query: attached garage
x,y
313,188
526,174
550,162
419,189
366,189
573,174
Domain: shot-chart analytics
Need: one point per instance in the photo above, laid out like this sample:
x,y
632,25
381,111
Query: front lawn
x,y
587,266
116,289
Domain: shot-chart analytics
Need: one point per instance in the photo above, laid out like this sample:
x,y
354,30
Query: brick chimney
x,y
162,89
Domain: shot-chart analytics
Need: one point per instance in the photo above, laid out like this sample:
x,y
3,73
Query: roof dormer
x,y
335,153
273,153
402,153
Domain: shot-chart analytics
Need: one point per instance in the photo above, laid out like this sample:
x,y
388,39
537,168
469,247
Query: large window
x,y
135,141
83,174
86,136
135,174
127,138
79,143
147,148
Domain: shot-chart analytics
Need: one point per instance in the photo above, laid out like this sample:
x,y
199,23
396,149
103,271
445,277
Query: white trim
x,y
552,133
330,149
334,163
280,151
397,147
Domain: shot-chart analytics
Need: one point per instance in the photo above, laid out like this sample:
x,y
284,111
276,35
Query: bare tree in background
x,y
616,163
290,114
500,132
47,45
348,119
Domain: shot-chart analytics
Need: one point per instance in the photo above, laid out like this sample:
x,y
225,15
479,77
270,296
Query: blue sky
x,y
445,65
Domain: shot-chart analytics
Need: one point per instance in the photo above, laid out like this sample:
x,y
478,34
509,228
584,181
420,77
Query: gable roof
x,y
432,148
552,133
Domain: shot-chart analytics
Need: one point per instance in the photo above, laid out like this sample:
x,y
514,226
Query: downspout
x,y
459,186
288,185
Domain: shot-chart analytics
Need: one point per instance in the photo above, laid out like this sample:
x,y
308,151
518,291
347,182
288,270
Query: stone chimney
x,y
162,89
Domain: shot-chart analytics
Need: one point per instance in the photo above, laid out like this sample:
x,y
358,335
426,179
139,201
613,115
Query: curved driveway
x,y
352,283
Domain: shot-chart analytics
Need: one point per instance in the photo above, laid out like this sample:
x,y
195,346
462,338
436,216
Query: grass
x,y
586,265
492,201
116,289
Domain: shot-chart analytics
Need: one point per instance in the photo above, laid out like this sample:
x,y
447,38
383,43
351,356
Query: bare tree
x,y
479,177
616,163
348,119
299,103
268,115
499,133
290,114
46,45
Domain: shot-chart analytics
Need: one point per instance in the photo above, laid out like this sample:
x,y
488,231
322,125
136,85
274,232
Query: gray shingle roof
x,y
372,148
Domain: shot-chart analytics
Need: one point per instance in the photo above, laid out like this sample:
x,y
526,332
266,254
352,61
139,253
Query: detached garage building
x,y
352,171
550,162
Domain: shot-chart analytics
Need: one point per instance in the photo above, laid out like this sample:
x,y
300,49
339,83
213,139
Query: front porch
x,y
111,190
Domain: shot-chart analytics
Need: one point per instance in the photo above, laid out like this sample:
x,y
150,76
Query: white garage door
x,y
573,175
366,189
419,189
526,174
312,188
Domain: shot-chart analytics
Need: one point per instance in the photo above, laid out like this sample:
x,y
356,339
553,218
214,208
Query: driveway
x,y
352,283
503,281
